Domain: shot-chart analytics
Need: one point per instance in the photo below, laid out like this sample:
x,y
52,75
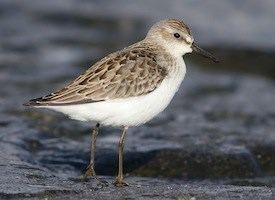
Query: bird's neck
x,y
165,57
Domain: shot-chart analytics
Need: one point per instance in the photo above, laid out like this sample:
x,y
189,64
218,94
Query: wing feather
x,y
125,74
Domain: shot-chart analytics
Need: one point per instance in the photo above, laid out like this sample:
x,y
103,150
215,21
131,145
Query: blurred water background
x,y
219,127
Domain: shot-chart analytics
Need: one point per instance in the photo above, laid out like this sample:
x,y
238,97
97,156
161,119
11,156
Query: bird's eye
x,y
176,35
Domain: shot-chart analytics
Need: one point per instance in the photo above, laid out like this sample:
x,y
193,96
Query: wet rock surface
x,y
215,140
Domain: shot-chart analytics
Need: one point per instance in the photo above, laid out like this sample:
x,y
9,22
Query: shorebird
x,y
129,87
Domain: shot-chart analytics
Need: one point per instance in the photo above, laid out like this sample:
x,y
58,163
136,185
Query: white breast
x,y
131,111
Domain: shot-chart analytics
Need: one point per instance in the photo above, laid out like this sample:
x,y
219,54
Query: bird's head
x,y
176,37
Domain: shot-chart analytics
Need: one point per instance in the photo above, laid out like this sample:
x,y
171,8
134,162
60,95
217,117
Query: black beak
x,y
202,52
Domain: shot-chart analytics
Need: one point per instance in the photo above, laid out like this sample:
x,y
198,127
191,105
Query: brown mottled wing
x,y
127,74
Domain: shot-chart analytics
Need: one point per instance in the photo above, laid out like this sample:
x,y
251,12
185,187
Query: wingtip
x,y
30,103
26,104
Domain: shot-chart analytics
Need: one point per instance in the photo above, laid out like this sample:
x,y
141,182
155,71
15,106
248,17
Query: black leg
x,y
90,169
120,179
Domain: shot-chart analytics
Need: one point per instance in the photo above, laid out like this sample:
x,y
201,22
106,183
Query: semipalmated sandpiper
x,y
129,87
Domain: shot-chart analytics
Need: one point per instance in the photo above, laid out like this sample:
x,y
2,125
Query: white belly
x,y
131,111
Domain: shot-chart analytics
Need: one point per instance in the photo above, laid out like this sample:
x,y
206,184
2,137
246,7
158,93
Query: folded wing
x,y
121,75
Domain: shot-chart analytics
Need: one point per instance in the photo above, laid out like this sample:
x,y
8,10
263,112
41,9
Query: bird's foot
x,y
90,173
120,183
